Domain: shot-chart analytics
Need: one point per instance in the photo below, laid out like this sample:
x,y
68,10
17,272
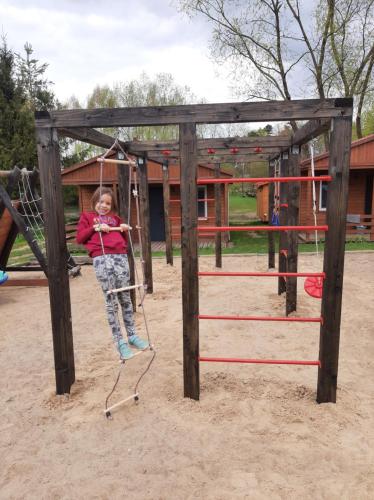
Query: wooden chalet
x,y
86,175
360,213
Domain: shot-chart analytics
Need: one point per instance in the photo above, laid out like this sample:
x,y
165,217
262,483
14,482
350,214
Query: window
x,y
323,195
202,206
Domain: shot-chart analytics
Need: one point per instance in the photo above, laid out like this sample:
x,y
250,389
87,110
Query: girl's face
x,y
104,205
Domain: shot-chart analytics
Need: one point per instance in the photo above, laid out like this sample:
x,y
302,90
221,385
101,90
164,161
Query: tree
x,y
288,50
31,77
160,91
17,144
23,90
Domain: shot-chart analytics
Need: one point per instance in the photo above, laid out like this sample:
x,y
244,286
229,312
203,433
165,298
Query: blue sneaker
x,y
138,343
124,350
3,277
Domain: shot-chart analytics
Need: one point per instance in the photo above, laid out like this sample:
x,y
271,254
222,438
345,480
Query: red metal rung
x,y
289,275
261,361
325,178
262,228
261,318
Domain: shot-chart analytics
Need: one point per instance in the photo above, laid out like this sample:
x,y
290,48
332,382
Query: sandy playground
x,y
256,433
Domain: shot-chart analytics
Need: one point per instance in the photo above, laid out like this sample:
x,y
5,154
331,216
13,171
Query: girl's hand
x,y
102,227
124,227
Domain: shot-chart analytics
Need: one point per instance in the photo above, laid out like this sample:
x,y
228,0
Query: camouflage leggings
x,y
112,271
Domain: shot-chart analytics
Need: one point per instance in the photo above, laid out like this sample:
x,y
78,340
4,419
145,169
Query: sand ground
x,y
256,432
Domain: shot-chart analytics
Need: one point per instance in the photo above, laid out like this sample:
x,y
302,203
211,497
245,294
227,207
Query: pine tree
x,y
23,90
14,118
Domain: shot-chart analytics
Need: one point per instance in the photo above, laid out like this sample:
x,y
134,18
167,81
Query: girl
x,y
108,250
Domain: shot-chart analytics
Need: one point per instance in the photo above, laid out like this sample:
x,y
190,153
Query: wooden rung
x,y
120,403
122,162
119,228
25,282
124,289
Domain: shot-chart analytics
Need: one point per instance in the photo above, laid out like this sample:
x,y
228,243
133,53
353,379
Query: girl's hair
x,y
99,192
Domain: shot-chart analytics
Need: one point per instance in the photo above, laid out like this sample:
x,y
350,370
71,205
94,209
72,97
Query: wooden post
x,y
218,205
124,201
166,193
271,240
145,222
57,255
292,236
190,283
336,213
283,189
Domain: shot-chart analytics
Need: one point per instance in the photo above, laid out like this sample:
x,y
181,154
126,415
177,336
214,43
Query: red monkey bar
x,y
262,318
262,228
261,361
255,180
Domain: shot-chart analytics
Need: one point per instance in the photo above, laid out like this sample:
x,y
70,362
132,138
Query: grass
x,y
242,213
241,208
241,204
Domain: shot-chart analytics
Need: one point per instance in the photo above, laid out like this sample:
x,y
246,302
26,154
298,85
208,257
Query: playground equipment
x,y
25,216
138,285
333,114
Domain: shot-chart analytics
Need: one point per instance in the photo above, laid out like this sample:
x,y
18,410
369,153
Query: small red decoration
x,y
234,150
166,152
258,149
211,151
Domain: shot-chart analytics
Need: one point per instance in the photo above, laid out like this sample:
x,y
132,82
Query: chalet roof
x,y
92,161
362,156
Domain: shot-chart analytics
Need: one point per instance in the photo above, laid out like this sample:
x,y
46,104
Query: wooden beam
x,y
336,216
283,195
26,282
309,131
166,195
218,216
145,222
57,255
293,200
202,144
90,136
190,283
239,112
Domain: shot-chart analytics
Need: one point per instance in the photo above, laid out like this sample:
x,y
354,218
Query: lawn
x,y
242,213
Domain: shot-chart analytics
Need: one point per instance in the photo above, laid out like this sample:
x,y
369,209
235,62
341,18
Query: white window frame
x,y
199,189
320,207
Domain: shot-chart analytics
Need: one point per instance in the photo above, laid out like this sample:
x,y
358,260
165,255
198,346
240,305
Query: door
x,y
156,208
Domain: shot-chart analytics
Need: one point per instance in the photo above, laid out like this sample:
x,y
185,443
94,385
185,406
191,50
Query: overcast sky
x,y
90,42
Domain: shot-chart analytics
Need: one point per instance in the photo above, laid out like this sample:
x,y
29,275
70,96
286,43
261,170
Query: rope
x,y
32,212
117,145
314,202
275,215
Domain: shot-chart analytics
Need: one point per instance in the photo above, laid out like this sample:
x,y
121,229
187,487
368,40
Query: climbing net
x,y
31,209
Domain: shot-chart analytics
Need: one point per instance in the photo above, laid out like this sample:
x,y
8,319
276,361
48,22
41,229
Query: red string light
x,y
234,150
258,149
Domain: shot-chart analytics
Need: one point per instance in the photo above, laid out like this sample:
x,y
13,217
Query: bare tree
x,y
290,48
